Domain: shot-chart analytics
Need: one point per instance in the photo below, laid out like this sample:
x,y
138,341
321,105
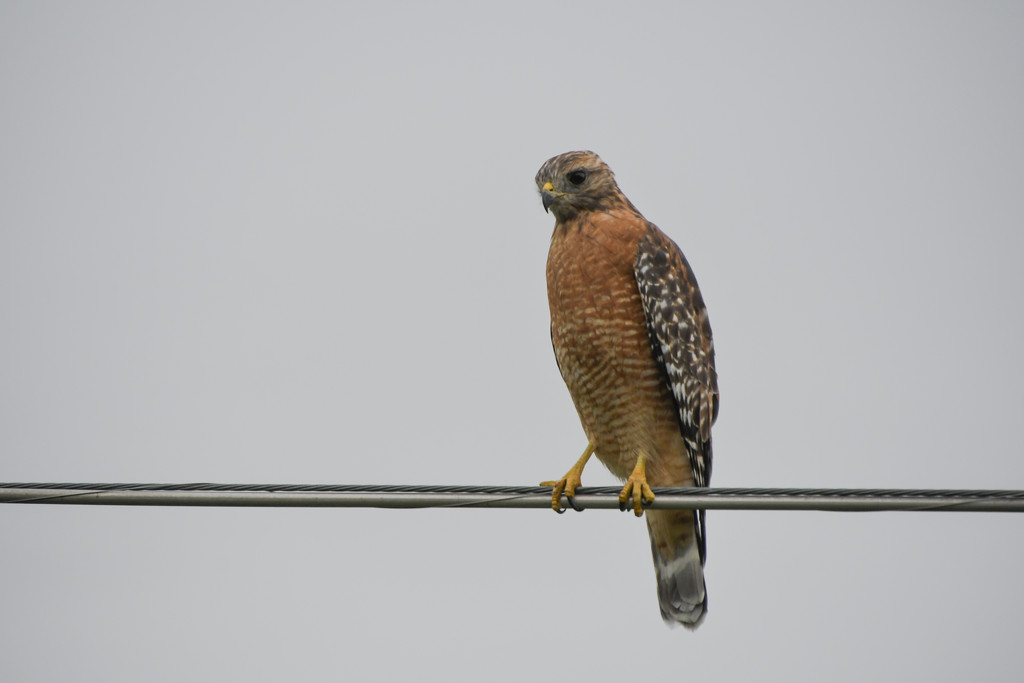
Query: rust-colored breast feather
x,y
599,331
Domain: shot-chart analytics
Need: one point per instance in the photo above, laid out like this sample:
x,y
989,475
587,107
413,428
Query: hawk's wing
x,y
680,334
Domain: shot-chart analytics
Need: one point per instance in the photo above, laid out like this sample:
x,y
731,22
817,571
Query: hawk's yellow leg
x,y
636,488
569,482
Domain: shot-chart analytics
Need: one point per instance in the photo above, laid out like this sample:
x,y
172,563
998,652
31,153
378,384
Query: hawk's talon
x,y
564,485
637,489
569,483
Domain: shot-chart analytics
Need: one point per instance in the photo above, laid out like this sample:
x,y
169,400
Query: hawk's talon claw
x,y
572,502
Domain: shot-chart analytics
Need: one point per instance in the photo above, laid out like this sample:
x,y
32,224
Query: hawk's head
x,y
574,182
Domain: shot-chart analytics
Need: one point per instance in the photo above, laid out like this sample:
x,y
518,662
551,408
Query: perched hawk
x,y
633,344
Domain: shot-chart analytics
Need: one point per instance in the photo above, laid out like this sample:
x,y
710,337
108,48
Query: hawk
x,y
633,343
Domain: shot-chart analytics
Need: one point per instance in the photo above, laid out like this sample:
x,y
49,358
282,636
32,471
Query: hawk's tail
x,y
678,565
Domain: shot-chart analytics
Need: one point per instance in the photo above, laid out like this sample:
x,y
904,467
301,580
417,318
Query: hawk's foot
x,y
637,488
569,483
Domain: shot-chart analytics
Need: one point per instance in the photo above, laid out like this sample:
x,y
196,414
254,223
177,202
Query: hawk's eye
x,y
576,177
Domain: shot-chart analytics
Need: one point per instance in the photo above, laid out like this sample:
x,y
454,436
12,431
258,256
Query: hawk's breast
x,y
599,333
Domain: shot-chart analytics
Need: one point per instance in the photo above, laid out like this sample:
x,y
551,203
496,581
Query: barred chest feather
x,y
601,343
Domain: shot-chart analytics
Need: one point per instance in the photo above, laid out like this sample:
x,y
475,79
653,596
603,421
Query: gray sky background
x,y
300,243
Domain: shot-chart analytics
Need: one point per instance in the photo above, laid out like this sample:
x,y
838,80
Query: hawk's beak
x,y
547,195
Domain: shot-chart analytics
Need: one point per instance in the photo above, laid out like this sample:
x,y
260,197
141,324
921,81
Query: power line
x,y
603,497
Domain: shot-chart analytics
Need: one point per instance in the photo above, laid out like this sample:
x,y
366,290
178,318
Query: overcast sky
x,y
300,243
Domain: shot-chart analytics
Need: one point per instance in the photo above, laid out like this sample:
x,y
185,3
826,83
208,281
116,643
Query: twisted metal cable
x,y
413,496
